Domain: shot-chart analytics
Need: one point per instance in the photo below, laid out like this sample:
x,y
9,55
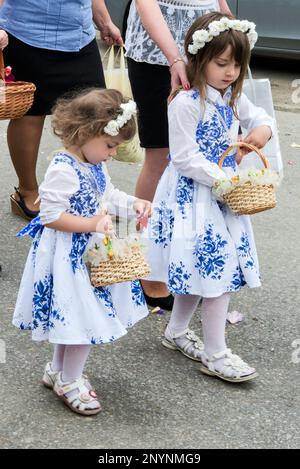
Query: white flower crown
x,y
203,36
128,111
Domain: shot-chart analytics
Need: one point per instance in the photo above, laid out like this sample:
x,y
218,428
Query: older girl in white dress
x,y
56,300
198,247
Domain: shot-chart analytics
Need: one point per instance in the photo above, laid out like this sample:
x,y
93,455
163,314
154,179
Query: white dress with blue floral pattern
x,y
196,244
56,300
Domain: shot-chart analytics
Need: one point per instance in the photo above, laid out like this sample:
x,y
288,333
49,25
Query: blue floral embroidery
x,y
32,228
98,173
35,245
195,95
162,224
137,293
104,295
184,193
44,313
238,280
213,140
84,202
177,278
244,250
227,114
209,251
25,327
79,244
100,341
97,341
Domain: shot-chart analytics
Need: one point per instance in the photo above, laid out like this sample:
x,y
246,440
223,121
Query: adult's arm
x,y
224,7
157,28
109,31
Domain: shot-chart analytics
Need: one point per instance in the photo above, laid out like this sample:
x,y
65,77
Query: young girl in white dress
x,y
56,300
197,246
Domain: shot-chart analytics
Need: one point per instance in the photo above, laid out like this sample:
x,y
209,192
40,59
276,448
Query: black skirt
x,y
54,73
151,86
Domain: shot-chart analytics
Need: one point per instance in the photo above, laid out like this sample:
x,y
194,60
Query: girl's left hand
x,y
143,209
257,137
111,35
3,39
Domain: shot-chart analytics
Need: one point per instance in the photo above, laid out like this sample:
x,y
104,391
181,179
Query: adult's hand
x,y
179,76
3,39
111,34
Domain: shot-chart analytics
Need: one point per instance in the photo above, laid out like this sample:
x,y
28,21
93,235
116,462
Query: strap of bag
x,y
251,81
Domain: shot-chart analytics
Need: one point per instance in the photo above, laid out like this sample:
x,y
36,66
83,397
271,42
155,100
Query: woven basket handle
x,y
2,72
247,145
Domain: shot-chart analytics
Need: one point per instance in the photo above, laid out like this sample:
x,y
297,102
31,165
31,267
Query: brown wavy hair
x,y
197,63
83,116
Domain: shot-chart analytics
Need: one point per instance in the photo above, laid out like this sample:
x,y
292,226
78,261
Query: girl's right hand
x,y
179,76
3,39
103,223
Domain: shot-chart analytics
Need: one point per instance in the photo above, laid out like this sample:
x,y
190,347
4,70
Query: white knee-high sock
x,y
75,357
182,312
58,357
214,312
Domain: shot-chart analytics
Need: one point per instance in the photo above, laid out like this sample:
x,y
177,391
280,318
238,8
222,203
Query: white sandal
x,y
49,376
190,348
234,369
80,401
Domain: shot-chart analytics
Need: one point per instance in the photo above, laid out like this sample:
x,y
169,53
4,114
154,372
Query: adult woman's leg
x,y
154,165
23,138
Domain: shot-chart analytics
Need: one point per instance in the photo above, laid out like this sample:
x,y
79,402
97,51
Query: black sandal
x,y
18,207
163,302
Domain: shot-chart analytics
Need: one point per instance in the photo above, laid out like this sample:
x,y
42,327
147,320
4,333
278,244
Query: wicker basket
x,y
120,269
249,198
16,97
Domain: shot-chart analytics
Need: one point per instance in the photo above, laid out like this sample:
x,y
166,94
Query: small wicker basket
x,y
116,269
15,97
249,198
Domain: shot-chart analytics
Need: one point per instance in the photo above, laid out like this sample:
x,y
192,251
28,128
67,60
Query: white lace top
x,y
179,15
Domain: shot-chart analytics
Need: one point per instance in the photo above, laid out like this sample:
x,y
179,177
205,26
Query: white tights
x,y
214,312
70,359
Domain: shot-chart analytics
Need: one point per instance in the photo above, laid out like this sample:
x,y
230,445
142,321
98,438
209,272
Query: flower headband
x,y
215,28
128,110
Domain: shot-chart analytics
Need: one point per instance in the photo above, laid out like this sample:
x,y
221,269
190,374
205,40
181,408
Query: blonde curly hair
x,y
79,118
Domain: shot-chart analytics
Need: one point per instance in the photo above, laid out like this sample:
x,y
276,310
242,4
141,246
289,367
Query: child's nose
x,y
230,70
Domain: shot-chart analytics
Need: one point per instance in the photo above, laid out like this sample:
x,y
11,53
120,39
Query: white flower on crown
x,y
200,36
215,28
128,111
112,128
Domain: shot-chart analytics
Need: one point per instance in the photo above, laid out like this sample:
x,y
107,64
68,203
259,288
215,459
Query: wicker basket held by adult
x,y
250,193
15,97
117,260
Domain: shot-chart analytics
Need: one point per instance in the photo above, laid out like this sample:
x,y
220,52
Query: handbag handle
x,y
112,57
2,67
246,145
251,81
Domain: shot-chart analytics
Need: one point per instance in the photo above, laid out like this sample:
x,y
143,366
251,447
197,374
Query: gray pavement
x,y
152,397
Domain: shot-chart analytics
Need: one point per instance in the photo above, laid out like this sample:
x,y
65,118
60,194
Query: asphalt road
x,y
152,397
